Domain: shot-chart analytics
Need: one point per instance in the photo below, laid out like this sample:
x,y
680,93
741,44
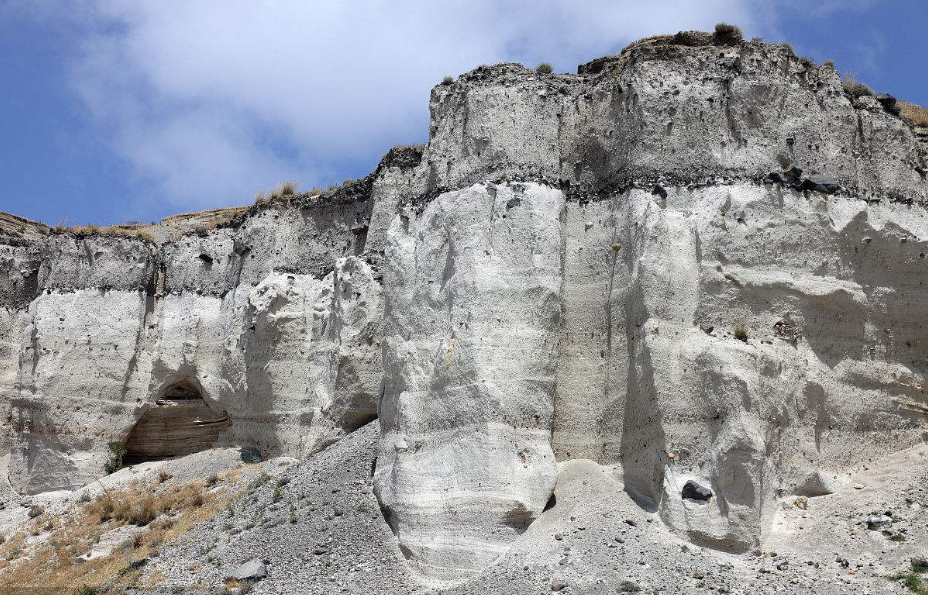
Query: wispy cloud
x,y
212,102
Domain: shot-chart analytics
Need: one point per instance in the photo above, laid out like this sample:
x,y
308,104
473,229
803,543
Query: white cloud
x,y
214,101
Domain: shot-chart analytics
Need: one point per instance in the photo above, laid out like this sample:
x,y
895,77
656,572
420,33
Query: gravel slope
x,y
595,538
339,542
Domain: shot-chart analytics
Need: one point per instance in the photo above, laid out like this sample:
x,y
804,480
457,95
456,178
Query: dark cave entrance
x,y
181,423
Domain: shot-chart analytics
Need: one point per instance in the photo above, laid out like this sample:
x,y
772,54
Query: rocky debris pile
x,y
314,528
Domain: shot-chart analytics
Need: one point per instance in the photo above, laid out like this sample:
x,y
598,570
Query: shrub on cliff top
x,y
726,34
545,68
855,88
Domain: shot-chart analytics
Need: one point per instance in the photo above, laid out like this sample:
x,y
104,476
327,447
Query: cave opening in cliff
x,y
180,423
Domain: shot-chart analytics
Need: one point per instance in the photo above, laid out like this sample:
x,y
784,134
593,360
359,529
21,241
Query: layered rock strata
x,y
699,265
278,328
179,424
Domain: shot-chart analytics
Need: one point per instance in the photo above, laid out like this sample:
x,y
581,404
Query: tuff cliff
x,y
699,265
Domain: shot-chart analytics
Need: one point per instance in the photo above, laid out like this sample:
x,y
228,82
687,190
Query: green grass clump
x,y
911,579
545,68
117,452
741,332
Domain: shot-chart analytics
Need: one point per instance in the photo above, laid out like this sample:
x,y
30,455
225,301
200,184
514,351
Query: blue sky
x,y
114,111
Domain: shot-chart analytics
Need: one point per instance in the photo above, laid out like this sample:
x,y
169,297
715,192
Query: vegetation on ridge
x,y
726,34
282,192
127,230
913,114
855,88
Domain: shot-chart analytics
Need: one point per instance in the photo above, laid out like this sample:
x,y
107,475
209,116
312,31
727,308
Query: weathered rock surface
x,y
699,267
293,358
669,112
470,355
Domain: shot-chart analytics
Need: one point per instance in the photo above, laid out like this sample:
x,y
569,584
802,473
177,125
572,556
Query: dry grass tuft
x,y
129,230
120,230
913,114
855,88
142,505
85,229
166,511
283,192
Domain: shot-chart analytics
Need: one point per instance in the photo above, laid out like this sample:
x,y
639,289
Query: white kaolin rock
x,y
472,304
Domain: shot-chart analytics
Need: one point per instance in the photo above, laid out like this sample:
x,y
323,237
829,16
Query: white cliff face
x,y
293,357
714,331
58,429
311,350
625,266
472,305
737,331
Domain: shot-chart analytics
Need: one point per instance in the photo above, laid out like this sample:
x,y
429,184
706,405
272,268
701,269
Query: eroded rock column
x,y
472,290
310,350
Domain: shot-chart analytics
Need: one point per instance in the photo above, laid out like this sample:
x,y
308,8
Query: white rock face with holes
x,y
746,339
311,352
472,305
71,362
